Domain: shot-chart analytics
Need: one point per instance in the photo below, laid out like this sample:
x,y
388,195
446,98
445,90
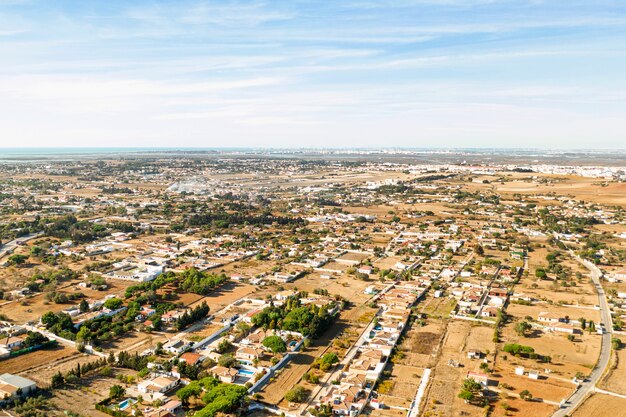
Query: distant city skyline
x,y
303,74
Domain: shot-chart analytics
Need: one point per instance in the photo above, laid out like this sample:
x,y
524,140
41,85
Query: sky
x,y
314,74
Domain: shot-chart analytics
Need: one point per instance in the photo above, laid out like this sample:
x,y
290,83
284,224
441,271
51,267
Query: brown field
x,y
521,408
225,295
567,357
577,187
91,390
615,379
441,396
574,313
36,359
601,405
33,307
347,286
41,371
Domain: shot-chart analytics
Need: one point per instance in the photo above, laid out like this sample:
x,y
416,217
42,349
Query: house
x,y
171,316
248,353
227,375
172,406
550,317
158,384
365,269
175,346
12,342
489,311
474,354
483,379
191,358
10,385
519,370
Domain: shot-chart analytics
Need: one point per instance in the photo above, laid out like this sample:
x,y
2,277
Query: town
x,y
170,287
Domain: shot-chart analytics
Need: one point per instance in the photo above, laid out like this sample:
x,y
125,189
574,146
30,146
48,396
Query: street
x,y
589,384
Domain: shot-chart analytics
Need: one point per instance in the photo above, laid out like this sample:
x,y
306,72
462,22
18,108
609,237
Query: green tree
x,y
83,306
17,259
113,303
526,395
116,391
522,327
275,343
297,394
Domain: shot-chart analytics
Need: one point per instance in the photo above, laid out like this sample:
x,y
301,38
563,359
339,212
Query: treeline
x,y
310,320
80,231
191,279
196,314
198,282
525,352
224,220
51,277
94,331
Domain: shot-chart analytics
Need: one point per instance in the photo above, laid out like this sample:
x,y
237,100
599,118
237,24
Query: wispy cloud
x,y
248,71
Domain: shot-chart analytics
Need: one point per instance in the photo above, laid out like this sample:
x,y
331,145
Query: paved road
x,y
605,353
12,244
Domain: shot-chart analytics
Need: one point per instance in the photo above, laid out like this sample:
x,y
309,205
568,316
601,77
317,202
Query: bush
x,y
297,394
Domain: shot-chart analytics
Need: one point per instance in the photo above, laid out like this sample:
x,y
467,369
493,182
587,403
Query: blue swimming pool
x,y
126,403
245,372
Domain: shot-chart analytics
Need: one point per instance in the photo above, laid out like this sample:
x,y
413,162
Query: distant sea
x,y
398,155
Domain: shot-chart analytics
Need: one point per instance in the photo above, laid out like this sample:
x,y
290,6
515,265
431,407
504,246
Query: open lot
x,y
601,405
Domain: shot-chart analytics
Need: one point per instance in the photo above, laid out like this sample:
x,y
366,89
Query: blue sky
x,y
355,73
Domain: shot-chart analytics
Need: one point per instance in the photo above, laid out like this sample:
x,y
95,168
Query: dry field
x,y
33,307
601,405
574,313
437,307
225,295
577,187
36,359
568,358
41,371
91,390
441,396
346,286
615,378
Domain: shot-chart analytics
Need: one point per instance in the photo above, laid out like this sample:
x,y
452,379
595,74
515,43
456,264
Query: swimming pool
x,y
245,372
126,403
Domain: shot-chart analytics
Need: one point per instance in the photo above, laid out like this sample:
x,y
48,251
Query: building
x,y
13,385
227,375
160,384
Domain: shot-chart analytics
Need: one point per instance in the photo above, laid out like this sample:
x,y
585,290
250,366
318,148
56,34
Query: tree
x,y
522,327
583,323
224,346
526,395
275,343
113,303
478,250
227,361
325,362
57,380
17,259
297,394
83,306
592,326
116,391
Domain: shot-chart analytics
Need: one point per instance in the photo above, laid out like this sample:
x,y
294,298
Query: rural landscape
x,y
313,285
356,208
